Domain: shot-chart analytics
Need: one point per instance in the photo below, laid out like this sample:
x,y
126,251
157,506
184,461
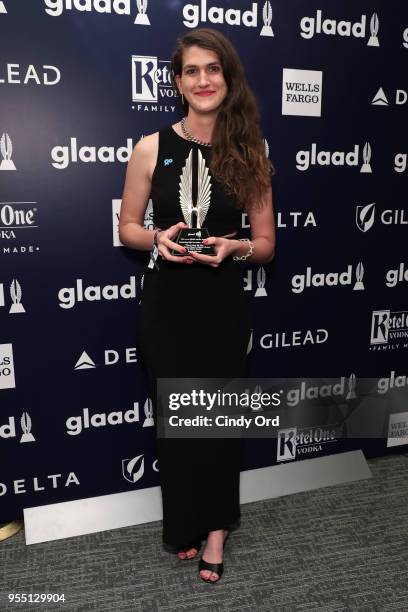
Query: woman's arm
x,y
136,194
263,235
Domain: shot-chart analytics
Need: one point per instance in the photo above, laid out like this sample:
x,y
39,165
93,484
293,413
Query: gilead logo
x,y
69,296
309,26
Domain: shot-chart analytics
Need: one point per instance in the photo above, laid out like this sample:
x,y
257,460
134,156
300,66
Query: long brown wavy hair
x,y
238,159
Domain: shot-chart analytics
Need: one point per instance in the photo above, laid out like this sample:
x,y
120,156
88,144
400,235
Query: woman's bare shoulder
x,y
148,145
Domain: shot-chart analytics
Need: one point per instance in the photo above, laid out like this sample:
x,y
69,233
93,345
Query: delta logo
x,y
398,98
55,8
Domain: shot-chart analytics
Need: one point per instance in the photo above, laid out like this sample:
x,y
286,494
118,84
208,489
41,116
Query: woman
x,y
193,295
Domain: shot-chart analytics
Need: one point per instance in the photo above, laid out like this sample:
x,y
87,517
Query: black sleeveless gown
x,y
199,477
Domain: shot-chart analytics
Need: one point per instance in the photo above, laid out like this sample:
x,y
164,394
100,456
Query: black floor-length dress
x,y
199,477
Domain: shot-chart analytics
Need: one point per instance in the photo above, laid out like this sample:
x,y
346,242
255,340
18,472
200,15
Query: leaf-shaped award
x,y
367,153
261,277
15,291
204,190
267,13
374,24
25,422
186,189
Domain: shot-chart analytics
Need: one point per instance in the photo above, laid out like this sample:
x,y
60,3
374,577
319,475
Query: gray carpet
x,y
334,549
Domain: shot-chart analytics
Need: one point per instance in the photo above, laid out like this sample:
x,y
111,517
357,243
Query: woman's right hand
x,y
166,245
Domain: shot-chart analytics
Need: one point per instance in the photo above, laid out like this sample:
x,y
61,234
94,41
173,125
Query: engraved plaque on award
x,y
191,237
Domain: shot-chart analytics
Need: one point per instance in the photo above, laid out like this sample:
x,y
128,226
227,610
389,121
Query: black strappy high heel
x,y
218,568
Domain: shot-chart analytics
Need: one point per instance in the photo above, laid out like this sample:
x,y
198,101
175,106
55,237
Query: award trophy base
x,y
192,239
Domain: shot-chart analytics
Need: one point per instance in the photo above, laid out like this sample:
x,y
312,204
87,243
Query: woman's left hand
x,y
223,248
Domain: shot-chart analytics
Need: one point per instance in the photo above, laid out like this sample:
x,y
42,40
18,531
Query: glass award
x,y
191,237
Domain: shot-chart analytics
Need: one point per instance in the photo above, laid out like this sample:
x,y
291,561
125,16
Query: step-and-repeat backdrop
x,y
81,81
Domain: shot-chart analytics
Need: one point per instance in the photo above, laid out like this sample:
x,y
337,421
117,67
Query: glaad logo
x,y
389,330
393,277
55,8
133,469
193,14
405,38
400,162
398,429
380,99
310,392
292,443
260,279
15,295
365,217
151,83
111,357
69,296
305,159
387,383
62,156
19,486
2,7
302,92
50,75
13,218
309,26
9,429
293,338
6,149
7,378
76,424
329,279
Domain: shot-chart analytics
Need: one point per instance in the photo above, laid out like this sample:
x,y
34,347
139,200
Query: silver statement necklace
x,y
190,137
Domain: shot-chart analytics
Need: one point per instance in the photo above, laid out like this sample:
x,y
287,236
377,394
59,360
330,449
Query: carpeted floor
x,y
334,549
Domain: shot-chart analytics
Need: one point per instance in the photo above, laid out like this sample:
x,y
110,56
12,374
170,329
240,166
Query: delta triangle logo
x,y
380,99
2,8
84,362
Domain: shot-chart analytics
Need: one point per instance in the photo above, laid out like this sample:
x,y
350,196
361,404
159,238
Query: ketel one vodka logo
x,y
260,280
55,8
310,26
330,279
6,149
389,330
193,14
151,83
292,441
9,429
305,159
133,469
15,295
